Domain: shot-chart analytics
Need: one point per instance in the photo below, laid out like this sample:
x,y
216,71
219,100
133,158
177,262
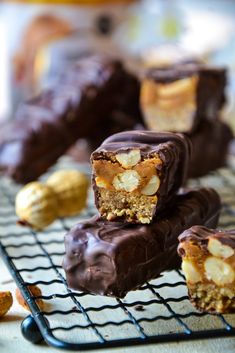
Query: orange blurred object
x,y
51,34
73,2
43,29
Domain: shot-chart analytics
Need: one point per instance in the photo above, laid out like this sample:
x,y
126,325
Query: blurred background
x,y
39,39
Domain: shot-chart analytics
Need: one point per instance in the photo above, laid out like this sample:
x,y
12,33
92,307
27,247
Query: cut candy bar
x,y
209,267
137,174
175,98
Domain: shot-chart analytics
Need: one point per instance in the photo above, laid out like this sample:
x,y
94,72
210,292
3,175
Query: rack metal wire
x,y
158,312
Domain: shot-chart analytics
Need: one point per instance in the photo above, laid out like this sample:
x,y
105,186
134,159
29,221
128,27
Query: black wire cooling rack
x,y
158,312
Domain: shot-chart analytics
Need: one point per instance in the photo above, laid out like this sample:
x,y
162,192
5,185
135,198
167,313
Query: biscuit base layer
x,y
211,298
128,205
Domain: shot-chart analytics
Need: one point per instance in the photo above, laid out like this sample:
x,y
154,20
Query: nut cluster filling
x,y
210,275
169,106
127,185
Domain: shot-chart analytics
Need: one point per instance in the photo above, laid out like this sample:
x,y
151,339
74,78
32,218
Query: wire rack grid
x,y
158,312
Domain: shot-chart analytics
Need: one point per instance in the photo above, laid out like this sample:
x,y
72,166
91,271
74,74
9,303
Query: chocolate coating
x,y
47,125
180,70
111,258
210,144
173,149
209,263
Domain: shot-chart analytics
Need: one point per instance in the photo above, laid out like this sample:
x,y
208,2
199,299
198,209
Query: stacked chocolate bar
x,y
98,97
188,98
136,181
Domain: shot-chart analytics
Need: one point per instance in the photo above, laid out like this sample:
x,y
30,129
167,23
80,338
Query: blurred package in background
x,y
39,39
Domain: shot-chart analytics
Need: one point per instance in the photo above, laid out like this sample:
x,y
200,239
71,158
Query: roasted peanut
x,y
71,189
218,249
190,271
36,205
128,181
152,187
129,159
219,271
6,302
65,194
35,291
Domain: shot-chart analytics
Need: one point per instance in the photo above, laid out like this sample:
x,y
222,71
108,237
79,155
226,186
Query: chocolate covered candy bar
x,y
137,174
175,98
208,257
46,126
210,144
112,258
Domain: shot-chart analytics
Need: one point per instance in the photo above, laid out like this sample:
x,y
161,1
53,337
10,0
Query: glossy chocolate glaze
x,y
112,258
47,125
210,144
173,149
201,236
